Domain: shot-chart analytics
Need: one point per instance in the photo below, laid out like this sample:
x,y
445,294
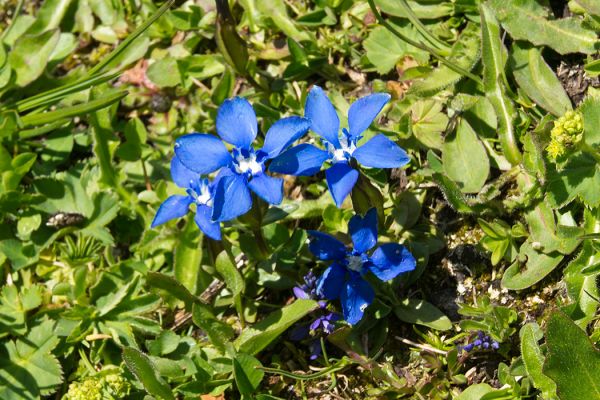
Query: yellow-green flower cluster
x,y
567,131
111,386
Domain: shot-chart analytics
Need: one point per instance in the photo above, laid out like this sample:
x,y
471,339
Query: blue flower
x,y
344,278
483,342
306,159
199,191
243,168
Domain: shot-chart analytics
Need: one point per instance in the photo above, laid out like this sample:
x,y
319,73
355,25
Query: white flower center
x,y
355,263
345,151
244,165
202,195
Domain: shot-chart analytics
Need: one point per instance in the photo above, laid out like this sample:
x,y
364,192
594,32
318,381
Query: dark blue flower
x,y
306,159
344,278
243,168
483,341
199,191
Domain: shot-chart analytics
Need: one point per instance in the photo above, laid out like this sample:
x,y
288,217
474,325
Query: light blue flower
x,y
199,191
344,278
306,159
243,168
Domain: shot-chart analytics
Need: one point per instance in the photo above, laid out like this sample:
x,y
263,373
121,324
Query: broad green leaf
x,y
591,6
529,20
232,277
545,232
536,267
49,16
135,136
475,392
533,359
465,159
188,258
494,81
14,305
277,12
428,122
255,338
218,332
247,375
465,53
572,361
385,50
171,286
31,54
579,178
423,10
28,369
538,80
590,112
145,371
165,72
420,312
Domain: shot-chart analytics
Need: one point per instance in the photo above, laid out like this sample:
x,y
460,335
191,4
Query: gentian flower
x,y
344,278
306,159
244,168
199,191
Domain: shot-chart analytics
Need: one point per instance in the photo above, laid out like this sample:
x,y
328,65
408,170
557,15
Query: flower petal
x,y
391,259
340,179
325,246
364,231
202,153
211,228
322,115
363,111
300,293
232,198
236,122
283,133
381,152
332,281
355,298
181,175
175,206
267,188
302,160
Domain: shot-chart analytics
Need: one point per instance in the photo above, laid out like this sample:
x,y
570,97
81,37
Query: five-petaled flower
x,y
306,159
344,278
199,191
243,169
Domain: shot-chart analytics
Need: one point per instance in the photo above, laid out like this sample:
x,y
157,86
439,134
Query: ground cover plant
x,y
294,199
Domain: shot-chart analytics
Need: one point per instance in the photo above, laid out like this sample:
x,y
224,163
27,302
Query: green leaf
x,y
538,80
385,50
475,392
579,178
420,312
34,119
255,338
544,231
428,122
188,257
591,6
465,159
590,112
537,266
28,369
276,10
246,373
49,16
528,20
171,286
423,9
145,371
572,361
465,53
14,305
494,82
533,359
232,277
31,54
165,72
218,332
